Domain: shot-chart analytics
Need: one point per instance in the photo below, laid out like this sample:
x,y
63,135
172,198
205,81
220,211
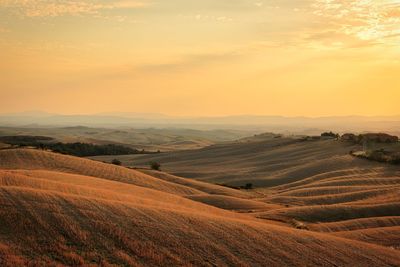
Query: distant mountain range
x,y
280,124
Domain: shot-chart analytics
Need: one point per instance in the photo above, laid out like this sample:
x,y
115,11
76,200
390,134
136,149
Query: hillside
x,y
62,210
269,162
315,185
149,139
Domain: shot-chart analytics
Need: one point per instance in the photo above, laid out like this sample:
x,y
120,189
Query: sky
x,y
201,58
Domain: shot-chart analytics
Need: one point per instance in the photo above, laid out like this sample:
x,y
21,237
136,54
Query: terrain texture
x,y
312,205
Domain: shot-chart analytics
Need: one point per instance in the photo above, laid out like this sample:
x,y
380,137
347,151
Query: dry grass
x,y
58,210
58,228
198,185
29,159
233,203
370,196
356,224
314,183
333,213
385,236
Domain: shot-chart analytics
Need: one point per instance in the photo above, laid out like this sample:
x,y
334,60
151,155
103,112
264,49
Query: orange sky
x,y
209,57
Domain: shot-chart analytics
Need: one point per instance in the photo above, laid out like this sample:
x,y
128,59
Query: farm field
x,y
313,205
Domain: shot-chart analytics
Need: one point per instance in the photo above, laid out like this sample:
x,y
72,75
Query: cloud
x,y
182,64
190,61
365,20
51,8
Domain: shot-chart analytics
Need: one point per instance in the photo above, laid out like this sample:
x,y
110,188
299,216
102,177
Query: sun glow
x,y
179,57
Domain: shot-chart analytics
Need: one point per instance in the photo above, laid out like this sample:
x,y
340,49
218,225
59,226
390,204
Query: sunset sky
x,y
201,57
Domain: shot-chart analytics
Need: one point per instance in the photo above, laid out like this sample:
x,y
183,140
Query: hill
x,y
314,184
249,123
62,210
149,139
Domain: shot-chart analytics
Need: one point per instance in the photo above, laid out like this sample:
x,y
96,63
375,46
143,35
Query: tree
x,y
155,166
116,162
248,186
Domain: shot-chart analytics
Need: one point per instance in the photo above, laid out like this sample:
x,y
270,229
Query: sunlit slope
x,y
29,159
149,139
315,185
208,188
234,203
50,217
384,236
51,227
271,162
98,188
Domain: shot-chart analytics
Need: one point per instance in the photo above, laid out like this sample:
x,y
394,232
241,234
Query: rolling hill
x,y
61,210
149,139
314,185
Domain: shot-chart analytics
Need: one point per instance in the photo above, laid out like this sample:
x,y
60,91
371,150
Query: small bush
x,y
248,186
155,166
116,162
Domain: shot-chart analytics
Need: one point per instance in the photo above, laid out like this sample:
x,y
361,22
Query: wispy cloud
x,y
51,8
206,17
189,62
365,20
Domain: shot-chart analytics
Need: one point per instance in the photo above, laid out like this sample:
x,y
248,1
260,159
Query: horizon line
x,y
122,113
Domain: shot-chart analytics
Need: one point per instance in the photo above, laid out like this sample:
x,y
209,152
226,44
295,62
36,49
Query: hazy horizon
x,y
150,114
253,123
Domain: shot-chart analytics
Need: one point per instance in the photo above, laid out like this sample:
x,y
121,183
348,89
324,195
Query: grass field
x,y
316,183
63,210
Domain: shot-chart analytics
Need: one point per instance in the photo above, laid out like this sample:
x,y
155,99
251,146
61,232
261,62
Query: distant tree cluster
x,y
370,137
330,134
380,155
87,150
74,149
25,139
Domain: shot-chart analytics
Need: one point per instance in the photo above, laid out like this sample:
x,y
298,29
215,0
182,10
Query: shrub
x,y
155,166
248,186
116,162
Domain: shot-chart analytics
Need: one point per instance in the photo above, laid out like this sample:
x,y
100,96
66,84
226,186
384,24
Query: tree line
x,y
75,149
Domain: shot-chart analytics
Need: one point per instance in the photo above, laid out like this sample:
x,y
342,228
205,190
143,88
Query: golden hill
x,y
61,210
315,185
